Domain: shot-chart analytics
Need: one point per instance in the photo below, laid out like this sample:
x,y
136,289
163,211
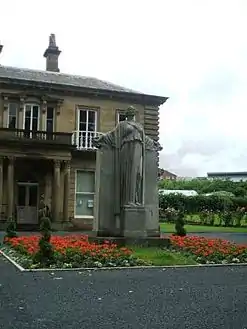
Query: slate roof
x,y
8,72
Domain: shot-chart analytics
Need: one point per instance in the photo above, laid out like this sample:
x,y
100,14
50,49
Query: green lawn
x,y
169,228
157,256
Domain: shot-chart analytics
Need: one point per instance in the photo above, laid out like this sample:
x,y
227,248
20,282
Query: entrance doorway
x,y
27,203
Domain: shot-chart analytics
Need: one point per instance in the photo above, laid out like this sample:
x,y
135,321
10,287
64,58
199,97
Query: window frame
x,y
85,193
121,112
17,112
53,119
31,118
87,110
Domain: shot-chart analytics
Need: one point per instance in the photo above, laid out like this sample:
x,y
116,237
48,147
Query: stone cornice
x,y
82,92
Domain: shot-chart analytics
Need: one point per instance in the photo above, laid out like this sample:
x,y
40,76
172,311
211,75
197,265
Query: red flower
x,y
212,249
61,244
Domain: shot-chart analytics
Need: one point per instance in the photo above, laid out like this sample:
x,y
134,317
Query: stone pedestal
x,y
134,222
126,158
105,222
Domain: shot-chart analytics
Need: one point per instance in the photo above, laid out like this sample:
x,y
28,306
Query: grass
x,y
157,256
169,228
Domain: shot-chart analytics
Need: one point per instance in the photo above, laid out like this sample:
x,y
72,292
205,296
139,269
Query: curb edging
x,y
21,269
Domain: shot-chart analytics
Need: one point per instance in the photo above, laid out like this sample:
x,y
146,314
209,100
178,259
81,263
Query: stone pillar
x,y
43,116
66,190
46,189
10,186
57,116
56,190
21,124
1,186
5,111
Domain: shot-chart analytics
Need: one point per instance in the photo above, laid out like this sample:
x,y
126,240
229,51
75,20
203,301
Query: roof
x,y
57,78
183,192
234,173
166,172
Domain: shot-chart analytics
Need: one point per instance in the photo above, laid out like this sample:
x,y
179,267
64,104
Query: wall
x,y
66,121
107,113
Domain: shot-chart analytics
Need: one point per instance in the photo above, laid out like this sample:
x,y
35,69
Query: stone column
x,y
21,124
66,190
43,116
10,186
57,115
56,190
1,186
5,111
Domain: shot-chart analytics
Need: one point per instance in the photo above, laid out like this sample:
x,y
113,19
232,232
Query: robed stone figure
x,y
125,151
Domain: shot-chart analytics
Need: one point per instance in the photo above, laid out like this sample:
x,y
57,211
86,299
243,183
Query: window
x,y
12,115
87,120
50,119
121,116
50,122
31,117
86,128
85,190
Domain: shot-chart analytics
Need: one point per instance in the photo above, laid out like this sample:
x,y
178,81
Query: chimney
x,y
51,54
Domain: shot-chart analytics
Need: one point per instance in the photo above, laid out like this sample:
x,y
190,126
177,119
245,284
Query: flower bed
x,y
210,251
77,252
70,252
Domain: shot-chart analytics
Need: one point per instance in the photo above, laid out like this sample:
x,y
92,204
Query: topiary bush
x,y
45,255
179,224
11,229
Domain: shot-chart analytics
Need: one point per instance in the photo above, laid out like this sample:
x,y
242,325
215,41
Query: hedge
x,y
196,204
204,185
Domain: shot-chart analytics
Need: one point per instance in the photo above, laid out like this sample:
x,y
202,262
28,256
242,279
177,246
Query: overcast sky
x,y
193,51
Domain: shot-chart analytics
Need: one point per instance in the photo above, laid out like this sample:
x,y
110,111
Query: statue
x,y
128,139
127,176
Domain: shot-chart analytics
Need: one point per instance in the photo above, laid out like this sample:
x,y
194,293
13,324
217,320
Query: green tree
x,y
205,185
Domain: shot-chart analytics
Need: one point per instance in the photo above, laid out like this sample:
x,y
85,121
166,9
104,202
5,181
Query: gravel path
x,y
181,298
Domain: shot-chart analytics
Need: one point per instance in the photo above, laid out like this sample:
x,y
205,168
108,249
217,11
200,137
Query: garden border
x,y
80,269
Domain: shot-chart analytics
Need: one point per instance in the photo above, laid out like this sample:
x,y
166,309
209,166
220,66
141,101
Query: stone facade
x,y
55,156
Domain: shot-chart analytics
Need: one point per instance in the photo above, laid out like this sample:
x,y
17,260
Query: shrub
x,y
45,255
205,185
228,219
169,214
11,229
198,203
179,224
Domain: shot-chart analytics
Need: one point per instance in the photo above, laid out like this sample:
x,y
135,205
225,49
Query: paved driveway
x,y
153,298
234,237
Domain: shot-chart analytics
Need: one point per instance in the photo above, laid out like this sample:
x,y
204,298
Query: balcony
x,y
81,140
84,139
31,136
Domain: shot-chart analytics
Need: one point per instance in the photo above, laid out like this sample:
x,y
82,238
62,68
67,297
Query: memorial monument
x,y
126,182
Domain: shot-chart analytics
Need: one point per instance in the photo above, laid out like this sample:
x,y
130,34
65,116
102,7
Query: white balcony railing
x,y
84,139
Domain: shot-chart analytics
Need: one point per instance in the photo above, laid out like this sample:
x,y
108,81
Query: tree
x,y
205,185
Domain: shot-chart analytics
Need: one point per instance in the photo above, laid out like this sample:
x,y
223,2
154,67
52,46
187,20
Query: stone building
x,y
47,122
